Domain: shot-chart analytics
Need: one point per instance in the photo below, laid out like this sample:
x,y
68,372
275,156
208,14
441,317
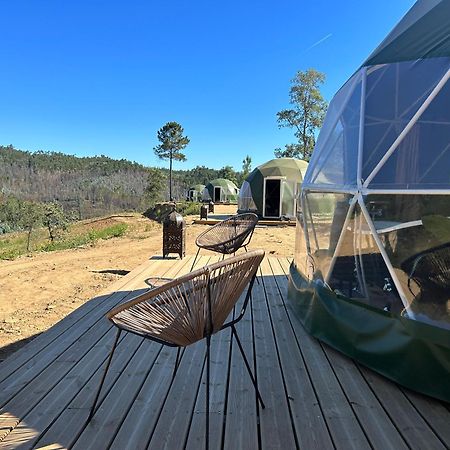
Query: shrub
x,y
161,210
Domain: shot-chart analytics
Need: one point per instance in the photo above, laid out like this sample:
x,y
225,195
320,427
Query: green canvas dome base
x,y
411,353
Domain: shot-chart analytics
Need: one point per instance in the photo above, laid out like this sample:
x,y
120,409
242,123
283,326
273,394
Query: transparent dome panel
x,y
324,215
205,195
394,93
288,200
245,201
358,270
300,250
422,159
415,232
334,160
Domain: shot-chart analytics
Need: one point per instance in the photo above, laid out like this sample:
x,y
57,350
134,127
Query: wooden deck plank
x,y
141,419
409,422
173,423
276,423
310,425
34,424
435,413
344,427
220,349
377,425
64,391
100,432
241,426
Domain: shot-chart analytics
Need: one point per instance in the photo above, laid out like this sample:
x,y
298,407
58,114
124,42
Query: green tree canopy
x,y
246,166
228,173
54,220
246,169
154,191
172,142
32,216
306,115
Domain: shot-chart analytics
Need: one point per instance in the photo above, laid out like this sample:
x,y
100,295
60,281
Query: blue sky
x,y
101,77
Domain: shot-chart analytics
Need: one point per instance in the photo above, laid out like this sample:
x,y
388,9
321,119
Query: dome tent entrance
x,y
371,275
195,193
271,190
221,190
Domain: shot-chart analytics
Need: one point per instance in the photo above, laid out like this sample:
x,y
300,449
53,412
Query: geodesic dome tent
x,y
271,190
371,275
221,190
195,192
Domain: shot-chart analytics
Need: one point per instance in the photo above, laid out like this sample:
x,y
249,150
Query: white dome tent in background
x,y
195,192
271,190
373,237
220,190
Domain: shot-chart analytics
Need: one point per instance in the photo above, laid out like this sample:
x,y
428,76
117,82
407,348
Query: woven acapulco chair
x,y
430,269
228,236
188,309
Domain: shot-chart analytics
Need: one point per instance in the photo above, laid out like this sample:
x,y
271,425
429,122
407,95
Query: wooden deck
x,y
315,397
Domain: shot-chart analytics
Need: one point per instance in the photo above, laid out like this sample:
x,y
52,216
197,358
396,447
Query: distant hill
x,y
89,186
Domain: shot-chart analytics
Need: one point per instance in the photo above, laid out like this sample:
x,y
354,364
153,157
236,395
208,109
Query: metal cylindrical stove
x,y
174,234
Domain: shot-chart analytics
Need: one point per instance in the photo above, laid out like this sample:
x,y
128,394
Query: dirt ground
x,y
38,290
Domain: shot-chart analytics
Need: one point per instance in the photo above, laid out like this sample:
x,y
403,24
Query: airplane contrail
x,y
319,41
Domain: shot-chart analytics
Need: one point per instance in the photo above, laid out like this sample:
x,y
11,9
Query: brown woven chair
x,y
188,309
430,269
228,236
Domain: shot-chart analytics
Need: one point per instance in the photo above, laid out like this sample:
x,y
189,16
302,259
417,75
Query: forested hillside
x,y
92,186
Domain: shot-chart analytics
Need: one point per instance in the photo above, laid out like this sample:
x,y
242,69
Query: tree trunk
x,y
30,229
170,179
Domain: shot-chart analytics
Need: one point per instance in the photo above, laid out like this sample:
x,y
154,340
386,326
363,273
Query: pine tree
x,y
172,142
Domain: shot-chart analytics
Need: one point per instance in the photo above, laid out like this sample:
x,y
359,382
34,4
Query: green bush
x,y
161,210
188,208
117,230
13,247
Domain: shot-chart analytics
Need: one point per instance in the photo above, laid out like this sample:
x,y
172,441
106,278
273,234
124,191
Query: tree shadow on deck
x,y
7,350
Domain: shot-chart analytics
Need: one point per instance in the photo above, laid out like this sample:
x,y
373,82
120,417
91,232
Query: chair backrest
x,y
191,307
228,235
430,269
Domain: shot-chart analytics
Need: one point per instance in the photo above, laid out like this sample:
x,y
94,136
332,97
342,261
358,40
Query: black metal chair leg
x,y
108,363
195,259
247,365
208,342
177,361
